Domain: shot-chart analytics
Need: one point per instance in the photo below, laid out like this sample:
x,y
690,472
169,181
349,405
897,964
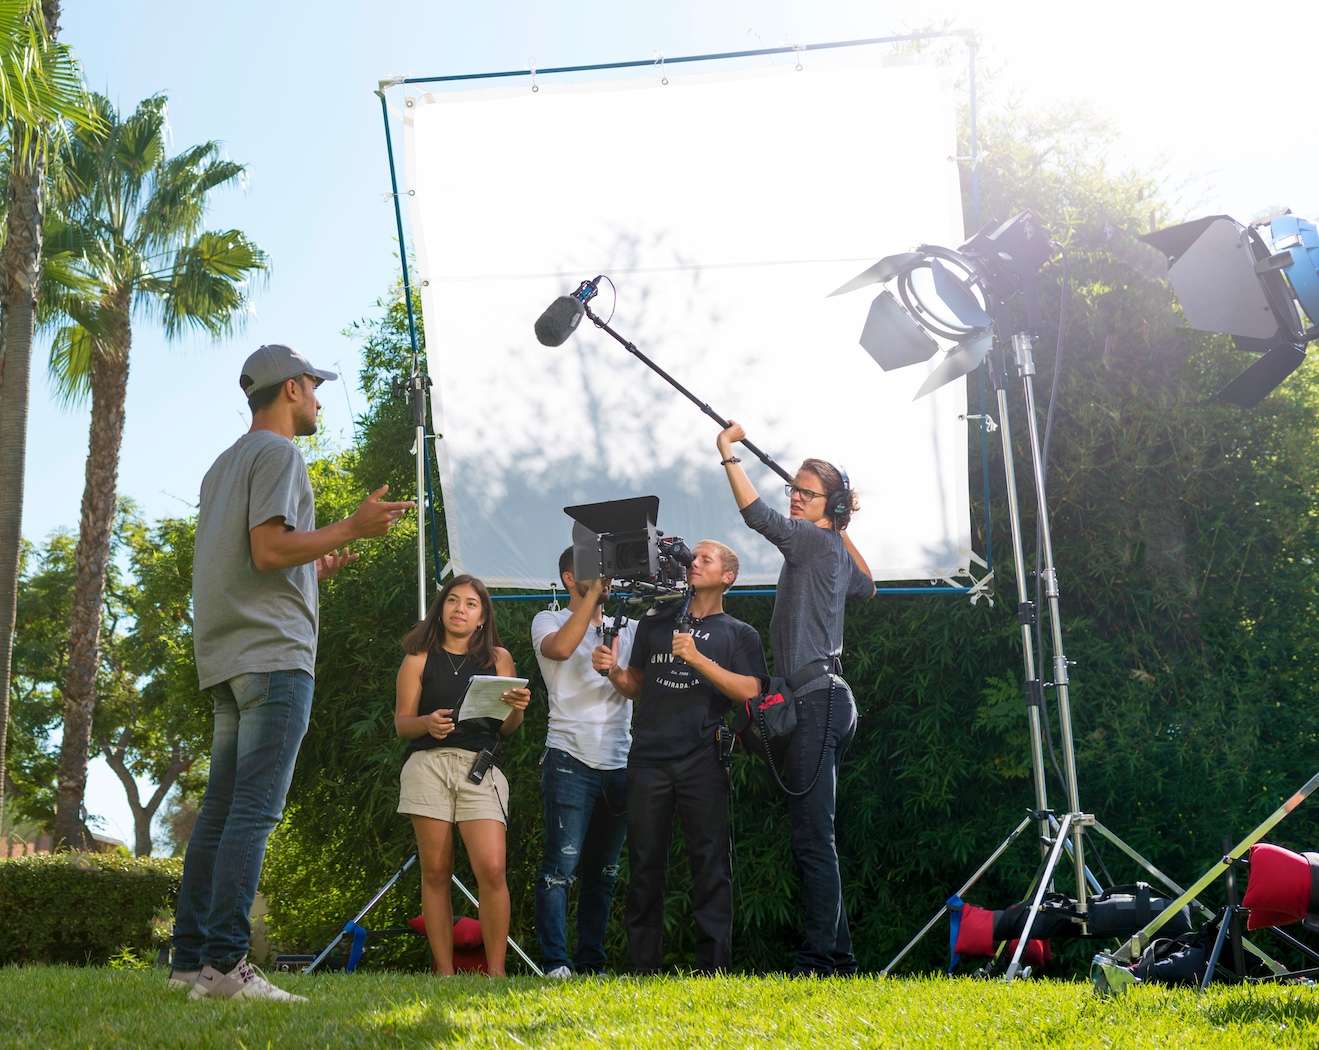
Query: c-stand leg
x,y
989,863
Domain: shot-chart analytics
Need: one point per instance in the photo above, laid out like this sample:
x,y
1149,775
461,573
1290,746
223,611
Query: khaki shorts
x,y
434,784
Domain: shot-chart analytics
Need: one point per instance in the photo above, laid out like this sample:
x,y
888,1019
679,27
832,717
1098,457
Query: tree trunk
x,y
109,388
144,812
20,262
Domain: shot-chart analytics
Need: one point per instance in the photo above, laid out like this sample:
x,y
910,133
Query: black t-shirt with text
x,y
678,709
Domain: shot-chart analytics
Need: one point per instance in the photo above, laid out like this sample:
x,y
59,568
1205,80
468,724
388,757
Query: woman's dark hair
x,y
831,478
429,634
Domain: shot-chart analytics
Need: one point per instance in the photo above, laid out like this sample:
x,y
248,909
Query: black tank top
x,y
443,681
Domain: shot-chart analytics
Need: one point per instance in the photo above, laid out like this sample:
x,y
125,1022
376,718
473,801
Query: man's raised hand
x,y
374,515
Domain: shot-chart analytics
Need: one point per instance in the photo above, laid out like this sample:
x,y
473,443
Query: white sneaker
x,y
182,978
244,981
559,972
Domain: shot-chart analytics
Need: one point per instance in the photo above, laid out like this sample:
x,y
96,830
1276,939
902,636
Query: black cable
x,y
819,764
613,288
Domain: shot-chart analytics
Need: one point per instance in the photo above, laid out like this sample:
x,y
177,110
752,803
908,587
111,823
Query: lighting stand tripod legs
x,y
352,923
1002,847
1042,884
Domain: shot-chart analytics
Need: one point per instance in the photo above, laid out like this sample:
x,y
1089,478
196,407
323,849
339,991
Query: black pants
x,y
826,941
697,788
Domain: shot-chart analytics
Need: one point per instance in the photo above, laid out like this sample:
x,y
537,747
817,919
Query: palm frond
x,y
64,282
133,227
71,364
208,286
40,83
177,203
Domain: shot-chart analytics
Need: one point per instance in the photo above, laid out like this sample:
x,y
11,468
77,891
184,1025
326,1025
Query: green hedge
x,y
83,908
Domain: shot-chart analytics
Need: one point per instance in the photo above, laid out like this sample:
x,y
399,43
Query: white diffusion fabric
x,y
725,210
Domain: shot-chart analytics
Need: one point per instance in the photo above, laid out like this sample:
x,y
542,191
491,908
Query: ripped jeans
x,y
585,821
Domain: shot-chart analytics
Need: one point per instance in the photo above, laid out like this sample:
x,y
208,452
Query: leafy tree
x,y
44,579
151,721
155,727
138,214
40,89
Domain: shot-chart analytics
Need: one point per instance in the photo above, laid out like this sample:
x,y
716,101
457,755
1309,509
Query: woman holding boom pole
x,y
821,569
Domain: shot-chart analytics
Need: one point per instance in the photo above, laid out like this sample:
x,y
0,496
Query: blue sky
x,y
288,89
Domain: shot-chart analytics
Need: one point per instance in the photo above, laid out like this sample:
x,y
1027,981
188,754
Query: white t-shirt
x,y
589,719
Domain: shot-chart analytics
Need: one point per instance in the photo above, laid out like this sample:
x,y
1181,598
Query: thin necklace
x,y
455,668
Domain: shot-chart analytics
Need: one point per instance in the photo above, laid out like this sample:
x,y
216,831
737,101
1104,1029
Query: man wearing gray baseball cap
x,y
257,563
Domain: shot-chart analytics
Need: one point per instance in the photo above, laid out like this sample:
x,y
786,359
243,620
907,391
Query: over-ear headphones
x,y
840,500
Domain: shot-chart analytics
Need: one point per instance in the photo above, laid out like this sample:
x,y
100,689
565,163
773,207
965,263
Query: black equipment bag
x,y
765,724
1176,960
1117,912
1124,910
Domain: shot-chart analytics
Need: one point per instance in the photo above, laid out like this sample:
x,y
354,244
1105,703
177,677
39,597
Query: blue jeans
x,y
260,720
585,821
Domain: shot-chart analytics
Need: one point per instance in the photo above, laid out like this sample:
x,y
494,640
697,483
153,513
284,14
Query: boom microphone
x,y
562,316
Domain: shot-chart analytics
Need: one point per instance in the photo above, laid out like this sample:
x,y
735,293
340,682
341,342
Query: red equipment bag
x,y
1282,886
975,939
468,948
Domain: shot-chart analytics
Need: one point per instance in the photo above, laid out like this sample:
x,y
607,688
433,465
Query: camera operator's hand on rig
x,y
605,657
684,648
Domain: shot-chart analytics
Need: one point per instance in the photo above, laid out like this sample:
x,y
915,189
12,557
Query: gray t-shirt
x,y
817,579
245,621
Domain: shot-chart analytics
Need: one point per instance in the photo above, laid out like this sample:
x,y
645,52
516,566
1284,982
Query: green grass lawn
x,y
56,1007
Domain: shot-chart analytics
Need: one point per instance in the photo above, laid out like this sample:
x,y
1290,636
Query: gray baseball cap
x,y
274,363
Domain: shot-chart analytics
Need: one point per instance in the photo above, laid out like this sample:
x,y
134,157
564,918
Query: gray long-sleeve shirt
x,y
817,579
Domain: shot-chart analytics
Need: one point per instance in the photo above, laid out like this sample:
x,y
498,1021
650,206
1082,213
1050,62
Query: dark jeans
x,y
697,788
585,820
259,723
826,941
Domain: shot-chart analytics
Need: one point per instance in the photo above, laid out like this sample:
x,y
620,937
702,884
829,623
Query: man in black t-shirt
x,y
682,684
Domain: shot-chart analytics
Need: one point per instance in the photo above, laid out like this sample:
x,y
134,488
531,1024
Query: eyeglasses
x,y
805,494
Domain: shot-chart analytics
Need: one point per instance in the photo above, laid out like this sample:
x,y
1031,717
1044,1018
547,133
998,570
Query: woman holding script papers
x,y
452,683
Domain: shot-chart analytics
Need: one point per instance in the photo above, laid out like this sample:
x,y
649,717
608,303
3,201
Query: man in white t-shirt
x,y
583,773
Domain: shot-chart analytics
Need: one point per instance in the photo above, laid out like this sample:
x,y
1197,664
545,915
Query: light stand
x,y
998,285
417,391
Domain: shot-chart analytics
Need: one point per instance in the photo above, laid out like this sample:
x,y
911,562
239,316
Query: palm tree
x,y
40,88
137,216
